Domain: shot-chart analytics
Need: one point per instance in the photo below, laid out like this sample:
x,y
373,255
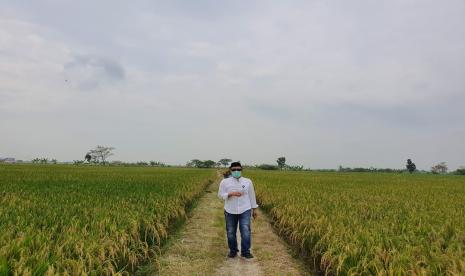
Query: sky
x,y
323,83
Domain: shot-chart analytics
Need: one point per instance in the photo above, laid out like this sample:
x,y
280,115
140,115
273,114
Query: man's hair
x,y
235,164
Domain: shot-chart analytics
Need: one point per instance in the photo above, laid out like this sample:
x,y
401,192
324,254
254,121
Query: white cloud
x,y
31,68
324,83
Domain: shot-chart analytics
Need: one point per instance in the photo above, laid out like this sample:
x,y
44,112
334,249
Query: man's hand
x,y
230,194
254,213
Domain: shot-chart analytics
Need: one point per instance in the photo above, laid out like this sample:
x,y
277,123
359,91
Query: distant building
x,y
7,160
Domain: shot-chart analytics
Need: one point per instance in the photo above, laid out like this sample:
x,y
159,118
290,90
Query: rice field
x,y
74,220
367,224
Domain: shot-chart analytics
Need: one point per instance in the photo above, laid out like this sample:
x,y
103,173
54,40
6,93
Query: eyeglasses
x,y
236,170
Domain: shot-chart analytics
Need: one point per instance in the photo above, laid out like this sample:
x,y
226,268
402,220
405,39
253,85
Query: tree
x,y
460,170
411,167
281,162
54,161
194,163
439,168
201,164
294,168
208,164
101,153
88,157
157,164
267,167
224,162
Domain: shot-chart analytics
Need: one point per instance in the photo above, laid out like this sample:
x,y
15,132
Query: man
x,y
239,205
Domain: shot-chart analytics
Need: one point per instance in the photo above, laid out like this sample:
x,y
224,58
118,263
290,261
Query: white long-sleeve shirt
x,y
237,204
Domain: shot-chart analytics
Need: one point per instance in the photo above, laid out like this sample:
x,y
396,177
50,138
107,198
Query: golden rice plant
x,y
366,223
74,220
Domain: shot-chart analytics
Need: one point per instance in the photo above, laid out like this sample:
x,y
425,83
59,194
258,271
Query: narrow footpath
x,y
200,248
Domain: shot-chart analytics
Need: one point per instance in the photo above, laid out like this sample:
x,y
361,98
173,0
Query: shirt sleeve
x,y
222,193
253,200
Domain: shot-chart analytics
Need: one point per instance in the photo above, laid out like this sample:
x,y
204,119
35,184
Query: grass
x,y
199,248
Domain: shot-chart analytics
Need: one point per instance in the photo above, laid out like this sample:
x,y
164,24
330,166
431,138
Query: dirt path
x,y
201,247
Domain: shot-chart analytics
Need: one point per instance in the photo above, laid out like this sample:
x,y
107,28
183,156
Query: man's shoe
x,y
247,256
232,254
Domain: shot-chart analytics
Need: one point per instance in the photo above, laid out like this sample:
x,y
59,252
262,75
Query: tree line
x,y
100,154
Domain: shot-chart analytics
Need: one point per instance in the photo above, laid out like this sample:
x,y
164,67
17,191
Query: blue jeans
x,y
244,226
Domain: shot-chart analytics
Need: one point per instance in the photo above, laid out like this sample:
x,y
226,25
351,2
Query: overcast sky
x,y
323,83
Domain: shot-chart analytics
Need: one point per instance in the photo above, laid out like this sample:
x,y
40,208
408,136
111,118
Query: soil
x,y
200,248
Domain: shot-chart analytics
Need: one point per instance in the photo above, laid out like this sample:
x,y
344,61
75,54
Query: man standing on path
x,y
239,205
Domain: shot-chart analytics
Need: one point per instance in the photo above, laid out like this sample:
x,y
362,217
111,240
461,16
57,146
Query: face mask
x,y
236,174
